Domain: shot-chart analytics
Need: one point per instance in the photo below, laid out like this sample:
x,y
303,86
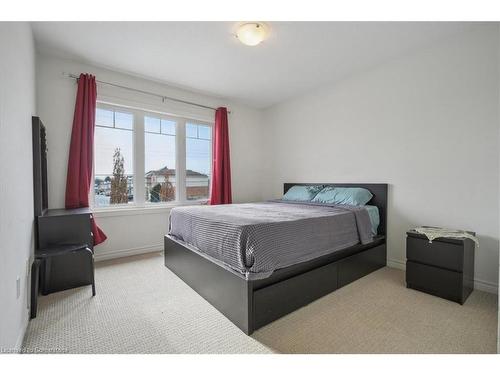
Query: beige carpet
x,y
141,307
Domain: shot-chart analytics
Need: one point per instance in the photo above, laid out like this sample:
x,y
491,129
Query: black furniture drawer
x,y
436,281
358,265
294,292
66,272
438,253
57,227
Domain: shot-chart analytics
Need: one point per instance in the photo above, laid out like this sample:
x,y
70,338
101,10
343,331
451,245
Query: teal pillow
x,y
302,193
340,195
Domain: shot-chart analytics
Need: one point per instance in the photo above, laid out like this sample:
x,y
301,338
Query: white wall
x,y
498,321
17,105
56,100
426,123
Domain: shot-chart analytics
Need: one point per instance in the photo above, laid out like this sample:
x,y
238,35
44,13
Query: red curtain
x,y
79,177
221,171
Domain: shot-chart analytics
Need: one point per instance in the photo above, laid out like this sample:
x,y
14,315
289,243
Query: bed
x,y
258,262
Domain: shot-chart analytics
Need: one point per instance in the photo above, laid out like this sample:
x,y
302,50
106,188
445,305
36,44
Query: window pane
x,y
191,130
104,117
168,127
198,164
124,120
204,132
152,124
160,178
114,172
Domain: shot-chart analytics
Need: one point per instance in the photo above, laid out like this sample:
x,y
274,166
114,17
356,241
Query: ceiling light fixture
x,y
251,33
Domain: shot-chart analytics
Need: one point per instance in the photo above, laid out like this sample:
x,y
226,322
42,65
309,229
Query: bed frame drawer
x,y
358,265
277,300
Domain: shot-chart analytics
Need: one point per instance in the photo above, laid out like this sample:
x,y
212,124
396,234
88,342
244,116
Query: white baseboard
x,y
20,337
120,253
482,285
394,263
486,286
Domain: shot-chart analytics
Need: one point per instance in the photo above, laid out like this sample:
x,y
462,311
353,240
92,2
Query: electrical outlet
x,y
18,287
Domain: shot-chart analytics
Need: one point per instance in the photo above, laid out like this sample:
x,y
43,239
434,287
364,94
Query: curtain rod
x,y
163,97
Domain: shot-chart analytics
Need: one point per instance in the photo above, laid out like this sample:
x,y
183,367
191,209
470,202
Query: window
x,y
144,158
198,160
159,148
113,169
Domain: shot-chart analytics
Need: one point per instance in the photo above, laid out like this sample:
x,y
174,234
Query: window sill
x,y
148,209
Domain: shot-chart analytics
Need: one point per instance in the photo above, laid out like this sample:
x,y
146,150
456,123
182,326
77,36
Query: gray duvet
x,y
255,239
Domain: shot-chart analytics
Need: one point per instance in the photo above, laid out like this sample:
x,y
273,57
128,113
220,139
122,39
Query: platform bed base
x,y
251,305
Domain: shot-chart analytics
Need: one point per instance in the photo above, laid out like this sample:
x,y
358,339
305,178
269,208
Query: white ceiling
x,y
205,56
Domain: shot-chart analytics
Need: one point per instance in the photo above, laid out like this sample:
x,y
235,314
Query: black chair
x,y
43,258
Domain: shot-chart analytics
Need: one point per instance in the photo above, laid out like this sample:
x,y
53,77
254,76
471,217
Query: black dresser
x,y
444,268
59,227
56,229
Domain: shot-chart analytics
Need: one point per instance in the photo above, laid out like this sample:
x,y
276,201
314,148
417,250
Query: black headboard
x,y
379,199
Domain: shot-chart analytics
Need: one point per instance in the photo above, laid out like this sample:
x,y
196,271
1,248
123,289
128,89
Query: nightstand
x,y
444,268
